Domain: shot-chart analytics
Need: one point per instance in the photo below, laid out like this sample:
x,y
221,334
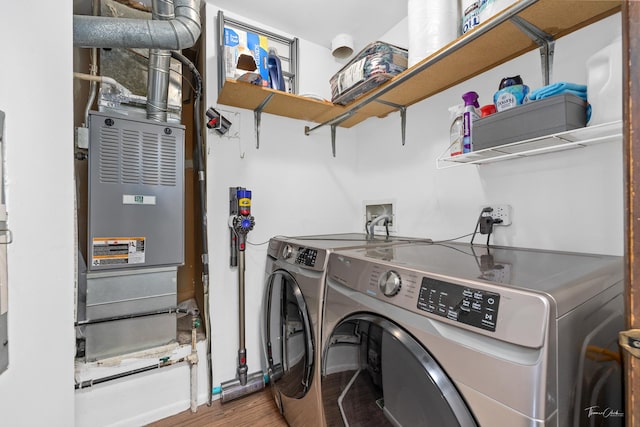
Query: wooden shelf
x,y
486,46
576,138
249,96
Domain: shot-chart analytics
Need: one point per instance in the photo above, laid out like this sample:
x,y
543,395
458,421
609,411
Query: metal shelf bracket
x,y
333,139
333,123
403,117
545,41
403,123
257,115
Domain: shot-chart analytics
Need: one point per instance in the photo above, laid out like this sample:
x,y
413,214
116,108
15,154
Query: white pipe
x,y
104,80
385,219
193,366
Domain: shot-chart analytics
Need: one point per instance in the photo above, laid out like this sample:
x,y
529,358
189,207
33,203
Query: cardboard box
x,y
237,44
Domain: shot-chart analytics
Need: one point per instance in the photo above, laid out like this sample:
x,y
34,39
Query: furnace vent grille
x,y
130,156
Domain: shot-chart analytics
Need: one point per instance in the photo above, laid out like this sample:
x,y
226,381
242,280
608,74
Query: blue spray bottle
x,y
274,66
470,104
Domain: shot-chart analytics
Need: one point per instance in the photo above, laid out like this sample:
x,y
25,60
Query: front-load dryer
x,y
460,335
293,304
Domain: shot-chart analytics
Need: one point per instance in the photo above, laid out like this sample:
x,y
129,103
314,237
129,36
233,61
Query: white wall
x,y
36,94
568,201
298,188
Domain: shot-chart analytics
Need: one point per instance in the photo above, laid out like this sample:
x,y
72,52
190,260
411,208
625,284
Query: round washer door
x,y
288,337
375,373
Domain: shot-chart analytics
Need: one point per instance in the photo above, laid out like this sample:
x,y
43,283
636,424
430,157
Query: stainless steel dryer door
x,y
288,336
375,373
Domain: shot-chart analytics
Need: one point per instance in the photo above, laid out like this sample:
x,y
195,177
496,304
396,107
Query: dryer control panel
x,y
506,313
460,303
306,256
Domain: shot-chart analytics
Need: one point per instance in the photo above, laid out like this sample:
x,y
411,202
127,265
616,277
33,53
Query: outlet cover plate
x,y
502,212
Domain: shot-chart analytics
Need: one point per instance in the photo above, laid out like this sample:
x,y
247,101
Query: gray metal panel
x,y
117,293
576,330
129,335
4,343
136,193
4,304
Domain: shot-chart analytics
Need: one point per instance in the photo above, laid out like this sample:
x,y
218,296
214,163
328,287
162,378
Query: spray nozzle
x,y
471,98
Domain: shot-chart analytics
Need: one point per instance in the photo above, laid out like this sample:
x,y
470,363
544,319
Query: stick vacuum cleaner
x,y
241,222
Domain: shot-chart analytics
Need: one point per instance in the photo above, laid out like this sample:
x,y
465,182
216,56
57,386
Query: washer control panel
x,y
463,304
306,256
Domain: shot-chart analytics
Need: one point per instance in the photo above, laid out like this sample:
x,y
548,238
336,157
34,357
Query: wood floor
x,y
258,409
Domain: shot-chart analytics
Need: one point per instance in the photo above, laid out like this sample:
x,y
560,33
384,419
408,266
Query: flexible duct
x,y
178,33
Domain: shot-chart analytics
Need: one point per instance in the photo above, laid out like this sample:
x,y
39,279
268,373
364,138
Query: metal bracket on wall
x,y
403,117
545,41
333,139
257,115
333,123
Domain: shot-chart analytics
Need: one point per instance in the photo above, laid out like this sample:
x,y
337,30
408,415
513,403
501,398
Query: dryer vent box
x,y
136,193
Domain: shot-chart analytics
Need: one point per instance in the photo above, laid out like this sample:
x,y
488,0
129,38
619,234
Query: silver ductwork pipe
x,y
159,63
178,33
174,26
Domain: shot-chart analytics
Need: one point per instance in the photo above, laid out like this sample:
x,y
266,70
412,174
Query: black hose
x,y
199,166
198,156
132,316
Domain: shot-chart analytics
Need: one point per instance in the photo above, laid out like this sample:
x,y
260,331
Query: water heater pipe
x,y
174,34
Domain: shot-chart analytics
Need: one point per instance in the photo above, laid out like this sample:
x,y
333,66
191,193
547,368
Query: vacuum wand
x,y
241,222
242,350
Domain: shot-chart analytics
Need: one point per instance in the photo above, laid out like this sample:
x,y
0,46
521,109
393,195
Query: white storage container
x,y
604,83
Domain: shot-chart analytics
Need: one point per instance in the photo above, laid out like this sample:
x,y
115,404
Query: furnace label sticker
x,y
111,251
138,199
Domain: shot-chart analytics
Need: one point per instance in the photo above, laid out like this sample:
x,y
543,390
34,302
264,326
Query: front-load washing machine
x,y
293,303
461,335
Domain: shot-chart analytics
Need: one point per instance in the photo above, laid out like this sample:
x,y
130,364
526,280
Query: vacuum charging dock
x,y
235,389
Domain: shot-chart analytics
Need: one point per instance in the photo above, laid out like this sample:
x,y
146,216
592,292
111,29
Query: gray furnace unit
x,y
135,240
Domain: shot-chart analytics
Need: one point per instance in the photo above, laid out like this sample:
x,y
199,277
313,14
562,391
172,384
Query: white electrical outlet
x,y
502,212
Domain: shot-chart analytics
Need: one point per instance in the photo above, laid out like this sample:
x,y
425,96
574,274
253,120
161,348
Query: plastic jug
x,y
276,81
604,83
456,131
470,104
